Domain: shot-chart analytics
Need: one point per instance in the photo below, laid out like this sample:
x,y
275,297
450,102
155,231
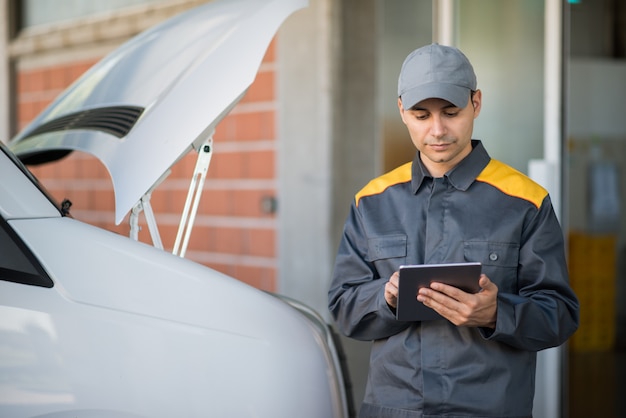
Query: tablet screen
x,y
465,276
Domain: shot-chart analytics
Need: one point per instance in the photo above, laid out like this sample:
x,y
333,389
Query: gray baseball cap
x,y
436,71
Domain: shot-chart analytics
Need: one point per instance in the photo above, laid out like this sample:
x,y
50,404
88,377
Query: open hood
x,y
145,105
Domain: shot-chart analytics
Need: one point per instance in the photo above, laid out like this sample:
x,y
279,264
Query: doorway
x,y
595,172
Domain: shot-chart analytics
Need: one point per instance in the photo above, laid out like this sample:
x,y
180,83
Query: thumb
x,y
485,283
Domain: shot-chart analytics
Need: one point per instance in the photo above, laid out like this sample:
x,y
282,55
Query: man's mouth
x,y
440,146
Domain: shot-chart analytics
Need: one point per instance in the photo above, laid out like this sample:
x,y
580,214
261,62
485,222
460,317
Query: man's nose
x,y
438,128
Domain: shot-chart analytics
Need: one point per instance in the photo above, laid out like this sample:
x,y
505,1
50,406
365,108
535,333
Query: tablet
x,y
465,276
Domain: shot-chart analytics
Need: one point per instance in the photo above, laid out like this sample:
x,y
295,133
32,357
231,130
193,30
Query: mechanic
x,y
452,203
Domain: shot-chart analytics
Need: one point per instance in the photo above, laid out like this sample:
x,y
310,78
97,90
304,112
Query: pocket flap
x,y
388,246
499,254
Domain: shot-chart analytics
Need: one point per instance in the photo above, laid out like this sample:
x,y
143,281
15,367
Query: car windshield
x,y
62,207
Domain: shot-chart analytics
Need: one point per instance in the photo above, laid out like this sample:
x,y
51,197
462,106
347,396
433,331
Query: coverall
x,y
482,210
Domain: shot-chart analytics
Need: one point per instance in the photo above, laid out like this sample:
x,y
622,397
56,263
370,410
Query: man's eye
x,y
421,116
451,114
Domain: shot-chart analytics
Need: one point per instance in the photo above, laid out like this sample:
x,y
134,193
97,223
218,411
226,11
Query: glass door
x,y
595,173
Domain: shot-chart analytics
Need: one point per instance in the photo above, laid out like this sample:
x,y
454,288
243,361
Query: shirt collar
x,y
461,176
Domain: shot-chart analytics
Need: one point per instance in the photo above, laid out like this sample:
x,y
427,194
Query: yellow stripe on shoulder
x,y
398,175
512,182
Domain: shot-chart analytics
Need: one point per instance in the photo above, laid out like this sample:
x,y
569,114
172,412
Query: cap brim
x,y
457,95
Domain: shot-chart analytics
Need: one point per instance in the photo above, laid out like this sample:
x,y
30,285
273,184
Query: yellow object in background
x,y
592,268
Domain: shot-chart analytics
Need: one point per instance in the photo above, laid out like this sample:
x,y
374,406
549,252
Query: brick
x,y
185,166
259,164
77,69
36,81
23,82
263,278
82,200
168,234
249,202
228,166
210,236
270,54
228,240
217,202
160,200
41,104
226,129
58,78
26,112
121,229
42,171
176,201
254,126
226,269
261,242
68,169
263,88
103,200
198,240
89,167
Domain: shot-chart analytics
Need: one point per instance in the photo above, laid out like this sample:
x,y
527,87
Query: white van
x,y
94,324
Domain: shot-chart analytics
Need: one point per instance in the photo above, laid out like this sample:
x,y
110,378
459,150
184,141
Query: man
x,y
452,203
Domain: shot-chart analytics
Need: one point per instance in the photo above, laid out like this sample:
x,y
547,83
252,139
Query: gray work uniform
x,y
482,210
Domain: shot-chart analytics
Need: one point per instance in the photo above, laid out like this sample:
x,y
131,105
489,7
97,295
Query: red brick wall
x,y
232,233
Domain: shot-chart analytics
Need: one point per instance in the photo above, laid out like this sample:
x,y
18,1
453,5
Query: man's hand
x,y
460,308
391,290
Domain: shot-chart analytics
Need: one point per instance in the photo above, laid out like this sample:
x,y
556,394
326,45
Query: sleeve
x,y
545,311
356,295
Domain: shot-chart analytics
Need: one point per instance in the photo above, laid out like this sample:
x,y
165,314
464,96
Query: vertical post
x,y
553,75
549,383
443,22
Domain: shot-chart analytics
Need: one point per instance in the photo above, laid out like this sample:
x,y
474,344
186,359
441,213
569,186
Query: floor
x,y
597,384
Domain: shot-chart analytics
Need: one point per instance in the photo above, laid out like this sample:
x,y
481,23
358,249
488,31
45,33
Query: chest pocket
x,y
387,246
499,261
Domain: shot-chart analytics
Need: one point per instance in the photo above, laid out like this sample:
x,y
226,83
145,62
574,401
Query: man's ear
x,y
477,101
401,109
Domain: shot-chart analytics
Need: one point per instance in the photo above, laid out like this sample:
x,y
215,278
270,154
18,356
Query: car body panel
x,y
190,70
143,366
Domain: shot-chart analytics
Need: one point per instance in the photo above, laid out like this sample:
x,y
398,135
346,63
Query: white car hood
x,y
144,106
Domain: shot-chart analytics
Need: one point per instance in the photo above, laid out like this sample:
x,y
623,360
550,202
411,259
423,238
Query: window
x,y
41,12
17,264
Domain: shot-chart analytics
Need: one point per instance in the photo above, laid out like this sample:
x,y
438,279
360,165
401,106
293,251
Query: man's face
x,y
441,131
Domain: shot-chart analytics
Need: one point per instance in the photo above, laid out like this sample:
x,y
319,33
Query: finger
x,y
391,288
486,284
391,292
450,291
443,305
394,279
436,294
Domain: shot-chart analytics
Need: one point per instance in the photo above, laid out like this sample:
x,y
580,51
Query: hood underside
x,y
144,106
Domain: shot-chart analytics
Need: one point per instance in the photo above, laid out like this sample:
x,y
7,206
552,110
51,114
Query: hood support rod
x,y
205,151
143,205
